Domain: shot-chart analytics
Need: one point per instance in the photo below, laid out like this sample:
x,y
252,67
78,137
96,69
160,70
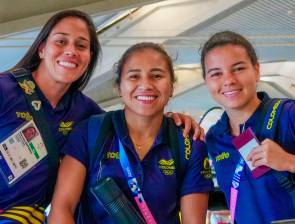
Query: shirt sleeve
x,y
291,112
77,143
198,176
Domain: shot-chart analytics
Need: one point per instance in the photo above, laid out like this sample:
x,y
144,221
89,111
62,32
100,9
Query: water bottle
x,y
110,196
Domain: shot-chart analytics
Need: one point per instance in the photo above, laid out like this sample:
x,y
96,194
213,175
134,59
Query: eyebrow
x,y
157,70
133,70
235,64
138,70
238,63
67,34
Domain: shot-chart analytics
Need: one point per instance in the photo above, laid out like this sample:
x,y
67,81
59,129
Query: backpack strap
x,y
99,128
25,81
180,150
271,114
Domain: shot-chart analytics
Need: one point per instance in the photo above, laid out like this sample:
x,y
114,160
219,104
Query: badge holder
x,y
244,143
20,152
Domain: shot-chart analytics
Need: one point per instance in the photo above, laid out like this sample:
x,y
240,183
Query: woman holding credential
x,y
253,144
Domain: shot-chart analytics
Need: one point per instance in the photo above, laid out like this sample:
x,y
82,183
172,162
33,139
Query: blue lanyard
x,y
133,185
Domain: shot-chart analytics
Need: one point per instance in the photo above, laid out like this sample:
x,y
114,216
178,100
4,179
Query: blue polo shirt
x,y
159,186
260,200
14,112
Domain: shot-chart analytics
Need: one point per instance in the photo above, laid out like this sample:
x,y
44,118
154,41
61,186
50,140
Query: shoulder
x,y
9,89
214,131
289,106
289,112
81,99
7,80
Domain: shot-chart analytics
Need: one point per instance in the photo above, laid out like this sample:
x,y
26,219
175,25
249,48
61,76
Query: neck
x,y
53,91
142,127
143,131
240,116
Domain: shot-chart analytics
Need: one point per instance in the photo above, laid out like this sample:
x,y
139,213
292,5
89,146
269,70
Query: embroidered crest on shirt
x,y
206,171
28,86
167,166
24,115
36,104
66,127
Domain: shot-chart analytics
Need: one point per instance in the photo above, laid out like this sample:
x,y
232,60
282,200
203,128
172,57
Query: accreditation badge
x,y
20,152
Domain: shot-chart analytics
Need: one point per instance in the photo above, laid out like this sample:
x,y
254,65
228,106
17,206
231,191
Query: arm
x,y
194,208
70,181
189,125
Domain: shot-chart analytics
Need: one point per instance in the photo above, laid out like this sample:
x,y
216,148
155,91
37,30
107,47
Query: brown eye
x,y
82,46
238,69
60,42
215,75
156,76
133,76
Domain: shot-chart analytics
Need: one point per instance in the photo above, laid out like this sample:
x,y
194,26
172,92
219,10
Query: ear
x,y
257,71
41,50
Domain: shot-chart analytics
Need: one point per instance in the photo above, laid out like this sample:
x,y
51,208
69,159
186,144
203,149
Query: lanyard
x,y
27,84
235,187
133,185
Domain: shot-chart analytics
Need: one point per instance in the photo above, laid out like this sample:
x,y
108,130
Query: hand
x,y
189,124
270,154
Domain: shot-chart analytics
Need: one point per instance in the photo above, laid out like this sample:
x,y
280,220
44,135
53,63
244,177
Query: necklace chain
x,y
139,147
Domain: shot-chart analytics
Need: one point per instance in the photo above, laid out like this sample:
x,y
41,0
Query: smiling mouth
x,y
146,98
231,93
67,64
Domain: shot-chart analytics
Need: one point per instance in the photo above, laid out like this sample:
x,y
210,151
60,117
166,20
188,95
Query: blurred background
x,y
182,26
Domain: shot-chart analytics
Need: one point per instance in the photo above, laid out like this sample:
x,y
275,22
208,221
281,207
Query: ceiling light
x,y
291,12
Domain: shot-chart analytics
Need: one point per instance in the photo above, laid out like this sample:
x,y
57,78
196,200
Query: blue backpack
x,y
268,129
100,128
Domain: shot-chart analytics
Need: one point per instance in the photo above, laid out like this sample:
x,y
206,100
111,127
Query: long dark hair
x,y
31,59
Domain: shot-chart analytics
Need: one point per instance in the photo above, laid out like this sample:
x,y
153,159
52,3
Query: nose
x,y
70,51
145,83
229,78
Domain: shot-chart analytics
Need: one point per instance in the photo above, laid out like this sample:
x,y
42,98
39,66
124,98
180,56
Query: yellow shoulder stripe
x,y
39,215
17,218
28,215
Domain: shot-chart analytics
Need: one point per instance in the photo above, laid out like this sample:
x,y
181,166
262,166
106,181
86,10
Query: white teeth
x,y
67,64
146,98
230,92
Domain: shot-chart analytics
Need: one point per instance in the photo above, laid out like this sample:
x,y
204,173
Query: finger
x,y
188,125
199,132
169,114
177,118
202,135
265,141
259,162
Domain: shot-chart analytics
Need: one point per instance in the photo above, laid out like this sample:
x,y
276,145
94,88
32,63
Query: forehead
x,y
146,56
71,26
226,54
